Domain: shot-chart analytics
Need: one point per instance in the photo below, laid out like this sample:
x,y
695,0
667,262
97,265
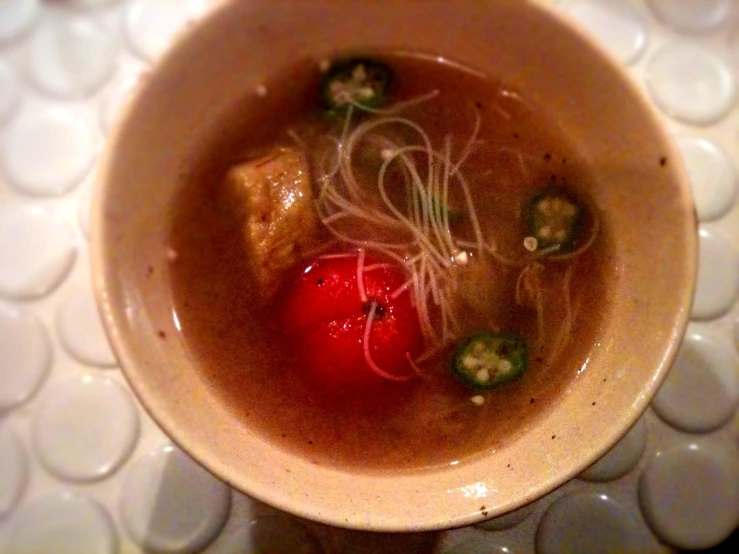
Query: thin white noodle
x,y
511,95
376,217
503,113
345,161
522,166
414,366
398,106
360,276
452,318
422,307
417,232
369,125
546,251
563,336
443,308
429,353
445,191
593,235
471,210
401,289
327,175
540,316
432,284
424,204
322,248
390,254
518,296
415,298
433,200
368,356
296,138
467,150
334,256
416,258
492,250
364,243
373,267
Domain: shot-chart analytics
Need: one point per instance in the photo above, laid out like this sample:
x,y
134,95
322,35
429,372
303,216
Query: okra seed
x,y
504,366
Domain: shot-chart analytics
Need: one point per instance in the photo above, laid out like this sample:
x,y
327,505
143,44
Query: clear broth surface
x,y
247,359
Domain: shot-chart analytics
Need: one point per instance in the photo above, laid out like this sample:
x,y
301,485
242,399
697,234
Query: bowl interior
x,y
640,187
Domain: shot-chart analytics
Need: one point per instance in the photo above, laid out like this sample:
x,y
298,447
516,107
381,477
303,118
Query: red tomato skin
x,y
326,319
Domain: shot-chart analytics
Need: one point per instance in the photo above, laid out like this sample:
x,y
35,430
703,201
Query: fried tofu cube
x,y
281,222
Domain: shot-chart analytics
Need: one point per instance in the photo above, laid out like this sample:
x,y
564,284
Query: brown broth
x,y
247,359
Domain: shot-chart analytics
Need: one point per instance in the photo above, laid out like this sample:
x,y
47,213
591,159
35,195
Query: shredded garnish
x,y
408,209
427,175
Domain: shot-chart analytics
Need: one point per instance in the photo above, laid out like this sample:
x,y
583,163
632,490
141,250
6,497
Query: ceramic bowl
x,y
641,188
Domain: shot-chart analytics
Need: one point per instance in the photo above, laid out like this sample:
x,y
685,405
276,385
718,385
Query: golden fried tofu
x,y
280,218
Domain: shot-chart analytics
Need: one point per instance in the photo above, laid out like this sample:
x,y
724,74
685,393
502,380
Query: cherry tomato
x,y
326,317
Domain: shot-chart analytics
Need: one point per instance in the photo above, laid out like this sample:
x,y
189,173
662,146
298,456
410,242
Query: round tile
x,y
690,495
620,459
70,56
115,100
690,83
9,92
693,16
84,206
713,176
616,25
701,391
16,16
25,356
47,151
508,520
37,249
718,277
480,545
274,534
91,4
85,428
171,504
13,470
63,524
150,27
81,330
589,522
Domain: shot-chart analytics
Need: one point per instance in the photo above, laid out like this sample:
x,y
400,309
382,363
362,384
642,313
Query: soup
x,y
389,262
